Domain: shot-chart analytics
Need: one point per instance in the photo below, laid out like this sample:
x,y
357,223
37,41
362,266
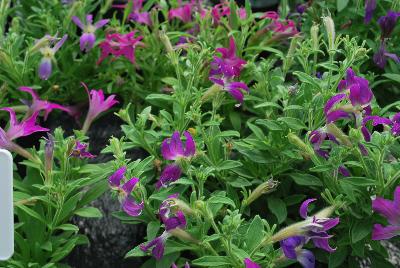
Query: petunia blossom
x,y
387,23
396,124
170,174
382,55
124,190
48,52
292,249
370,6
248,263
37,105
223,9
88,37
173,148
137,14
97,105
391,211
80,151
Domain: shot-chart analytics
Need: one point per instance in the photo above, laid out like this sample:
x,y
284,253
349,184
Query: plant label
x,y
6,206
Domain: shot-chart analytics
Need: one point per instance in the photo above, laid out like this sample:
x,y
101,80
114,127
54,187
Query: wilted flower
x,y
248,263
88,37
370,6
170,174
97,105
391,211
128,203
48,52
37,105
120,45
173,148
381,56
80,151
387,23
292,249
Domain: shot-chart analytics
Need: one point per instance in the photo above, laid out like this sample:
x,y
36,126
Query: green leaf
x,y
360,230
338,257
306,179
293,123
270,124
68,227
341,4
306,78
228,164
32,213
222,200
254,234
257,131
135,252
394,77
278,208
89,212
212,261
152,229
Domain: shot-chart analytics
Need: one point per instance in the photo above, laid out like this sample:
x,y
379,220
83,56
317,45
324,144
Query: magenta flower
x,y
223,9
48,52
281,29
37,105
173,148
396,124
136,14
358,88
120,45
370,6
128,203
391,211
381,56
80,151
248,263
376,120
88,37
292,249
387,23
18,129
183,13
97,105
170,174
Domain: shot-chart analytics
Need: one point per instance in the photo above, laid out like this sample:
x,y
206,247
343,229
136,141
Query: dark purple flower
x,y
396,124
391,211
115,179
301,8
48,52
359,92
387,23
376,120
80,151
37,105
18,129
344,171
88,37
370,6
170,174
173,148
292,249
381,56
248,263
157,245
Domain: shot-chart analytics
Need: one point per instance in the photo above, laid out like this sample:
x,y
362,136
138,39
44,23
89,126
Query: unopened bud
x,y
295,140
167,43
214,89
49,153
330,31
264,188
314,36
338,133
183,235
181,205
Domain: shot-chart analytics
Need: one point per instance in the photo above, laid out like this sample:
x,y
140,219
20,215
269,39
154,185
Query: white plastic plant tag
x,y
6,206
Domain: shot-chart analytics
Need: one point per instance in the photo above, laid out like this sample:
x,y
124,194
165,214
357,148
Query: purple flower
x,y
248,263
37,105
183,13
370,6
18,129
136,14
391,211
358,88
48,52
292,249
173,148
128,203
175,266
88,37
157,245
223,10
381,56
97,105
80,151
396,124
301,8
170,174
387,23
376,120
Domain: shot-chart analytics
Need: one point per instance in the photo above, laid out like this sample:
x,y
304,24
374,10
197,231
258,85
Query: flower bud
x,y
264,188
167,43
330,31
295,140
183,235
181,205
338,133
49,153
314,36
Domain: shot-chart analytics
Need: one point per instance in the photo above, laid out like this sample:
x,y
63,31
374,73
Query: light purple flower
x,y
391,211
37,105
170,174
48,52
370,6
248,263
97,105
173,148
387,23
381,56
292,249
88,37
80,151
18,129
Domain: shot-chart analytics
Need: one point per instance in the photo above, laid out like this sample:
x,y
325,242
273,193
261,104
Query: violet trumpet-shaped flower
x,y
37,105
376,120
97,105
381,56
370,6
391,211
173,148
387,23
248,263
292,249
80,151
359,92
396,124
48,52
137,14
170,174
120,45
18,129
88,37
128,203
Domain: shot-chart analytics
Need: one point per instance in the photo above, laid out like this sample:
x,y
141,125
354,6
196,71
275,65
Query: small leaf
x,y
341,4
222,200
89,212
278,207
254,234
212,261
306,179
